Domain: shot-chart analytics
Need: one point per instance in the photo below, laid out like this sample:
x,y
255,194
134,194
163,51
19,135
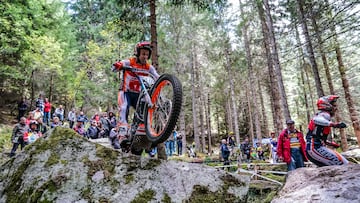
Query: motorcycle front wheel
x,y
161,118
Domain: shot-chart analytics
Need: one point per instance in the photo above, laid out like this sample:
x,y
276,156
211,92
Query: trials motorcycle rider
x,y
130,86
318,130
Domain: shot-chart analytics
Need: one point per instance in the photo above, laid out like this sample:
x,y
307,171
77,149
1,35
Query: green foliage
x,y
5,132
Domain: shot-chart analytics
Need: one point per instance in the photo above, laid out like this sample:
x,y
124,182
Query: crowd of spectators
x,y
43,116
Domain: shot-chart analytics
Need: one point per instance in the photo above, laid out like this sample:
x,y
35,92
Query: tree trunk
x,y
263,111
235,121
309,48
275,59
208,121
252,81
194,98
302,77
251,125
182,128
32,89
352,109
153,31
307,70
154,59
51,87
201,114
322,53
344,144
305,93
273,86
217,110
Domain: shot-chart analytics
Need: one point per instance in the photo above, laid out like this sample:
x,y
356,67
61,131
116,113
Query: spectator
x,y
114,139
230,140
105,123
96,117
170,144
225,152
71,117
273,144
38,113
59,112
253,153
33,133
39,102
56,122
82,117
30,118
246,148
17,137
101,130
79,127
291,147
47,110
260,151
92,131
41,127
22,108
112,119
179,144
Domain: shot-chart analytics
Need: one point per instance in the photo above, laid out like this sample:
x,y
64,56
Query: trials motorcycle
x,y
156,114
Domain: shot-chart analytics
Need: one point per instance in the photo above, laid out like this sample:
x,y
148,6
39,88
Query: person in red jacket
x,y
291,147
47,109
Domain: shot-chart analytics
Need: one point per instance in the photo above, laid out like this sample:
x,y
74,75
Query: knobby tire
x,y
152,134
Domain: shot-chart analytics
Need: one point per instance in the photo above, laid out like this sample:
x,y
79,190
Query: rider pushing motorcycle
x,y
130,86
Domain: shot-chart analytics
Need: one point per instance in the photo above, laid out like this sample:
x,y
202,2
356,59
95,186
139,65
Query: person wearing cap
x,y
291,146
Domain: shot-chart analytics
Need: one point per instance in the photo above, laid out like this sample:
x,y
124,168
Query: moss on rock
x,y
202,194
129,178
15,182
86,194
166,198
53,159
145,196
230,180
151,164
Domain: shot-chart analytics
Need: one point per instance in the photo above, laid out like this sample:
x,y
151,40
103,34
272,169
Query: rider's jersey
x,y
130,82
318,130
319,127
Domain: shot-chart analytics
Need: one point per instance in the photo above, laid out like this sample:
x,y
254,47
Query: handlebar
x,y
136,71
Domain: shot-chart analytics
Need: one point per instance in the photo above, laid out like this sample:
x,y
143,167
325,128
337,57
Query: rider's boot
x,y
124,137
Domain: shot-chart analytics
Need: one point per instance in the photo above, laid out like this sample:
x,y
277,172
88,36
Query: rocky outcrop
x,y
64,167
325,184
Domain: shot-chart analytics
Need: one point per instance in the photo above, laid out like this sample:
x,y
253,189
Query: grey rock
x,y
325,184
64,167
